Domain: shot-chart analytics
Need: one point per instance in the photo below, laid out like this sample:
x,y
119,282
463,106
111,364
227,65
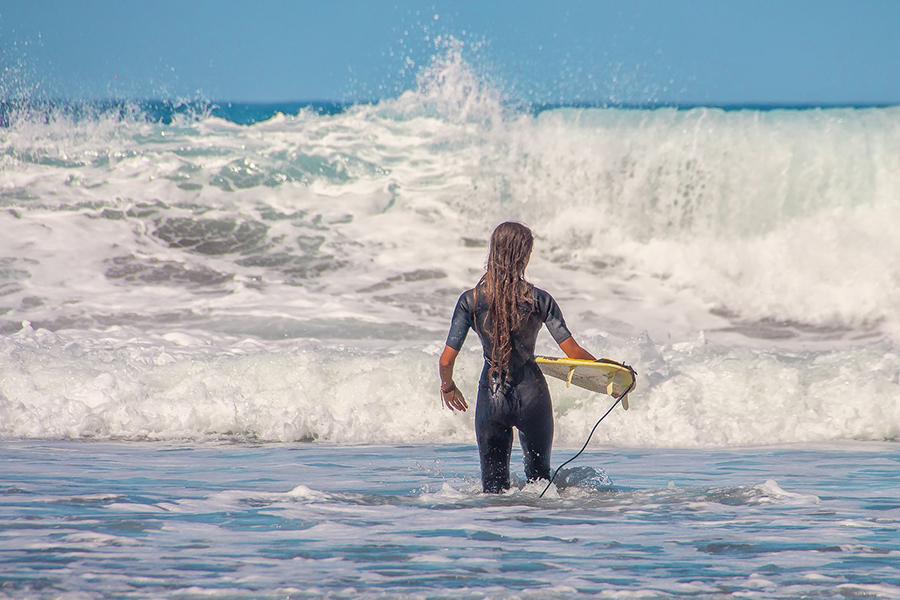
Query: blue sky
x,y
721,52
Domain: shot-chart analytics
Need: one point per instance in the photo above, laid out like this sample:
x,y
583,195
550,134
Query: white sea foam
x,y
293,279
134,385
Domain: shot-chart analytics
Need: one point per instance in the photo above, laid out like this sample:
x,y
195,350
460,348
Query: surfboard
x,y
605,376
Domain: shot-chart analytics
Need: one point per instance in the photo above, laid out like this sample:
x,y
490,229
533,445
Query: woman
x,y
507,312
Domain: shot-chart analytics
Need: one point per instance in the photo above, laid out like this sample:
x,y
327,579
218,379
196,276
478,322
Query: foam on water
x,y
293,279
132,385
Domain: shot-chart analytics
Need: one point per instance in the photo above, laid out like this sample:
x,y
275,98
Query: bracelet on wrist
x,y
445,390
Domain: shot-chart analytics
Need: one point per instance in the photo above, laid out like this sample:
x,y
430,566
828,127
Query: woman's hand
x,y
453,399
450,395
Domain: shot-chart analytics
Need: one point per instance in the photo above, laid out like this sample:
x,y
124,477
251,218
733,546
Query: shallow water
x,y
149,520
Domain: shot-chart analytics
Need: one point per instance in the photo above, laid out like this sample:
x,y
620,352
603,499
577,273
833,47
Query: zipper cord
x,y
587,441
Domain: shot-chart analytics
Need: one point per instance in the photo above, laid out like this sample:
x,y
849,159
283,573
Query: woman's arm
x,y
573,350
450,394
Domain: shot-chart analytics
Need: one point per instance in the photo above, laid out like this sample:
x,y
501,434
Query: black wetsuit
x,y
523,400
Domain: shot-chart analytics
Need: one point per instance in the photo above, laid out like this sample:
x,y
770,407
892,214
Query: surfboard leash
x,y
588,440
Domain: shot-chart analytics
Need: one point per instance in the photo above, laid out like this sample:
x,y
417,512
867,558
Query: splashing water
x,y
192,277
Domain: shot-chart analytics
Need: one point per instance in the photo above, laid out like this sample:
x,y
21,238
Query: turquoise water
x,y
137,520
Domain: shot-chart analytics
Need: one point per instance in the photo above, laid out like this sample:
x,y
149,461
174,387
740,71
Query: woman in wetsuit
x,y
507,313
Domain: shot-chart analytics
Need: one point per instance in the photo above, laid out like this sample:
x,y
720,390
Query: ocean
x,y
220,324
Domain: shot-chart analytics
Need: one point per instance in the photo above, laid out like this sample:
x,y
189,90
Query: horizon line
x,y
220,103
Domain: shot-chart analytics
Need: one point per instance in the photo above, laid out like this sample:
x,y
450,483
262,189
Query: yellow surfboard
x,y
604,375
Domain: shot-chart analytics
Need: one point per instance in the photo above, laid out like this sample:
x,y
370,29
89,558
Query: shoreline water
x,y
143,520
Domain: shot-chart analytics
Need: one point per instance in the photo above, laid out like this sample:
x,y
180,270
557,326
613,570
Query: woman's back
x,y
539,308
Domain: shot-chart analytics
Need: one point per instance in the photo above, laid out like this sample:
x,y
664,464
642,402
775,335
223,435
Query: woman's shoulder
x,y
543,300
541,294
467,297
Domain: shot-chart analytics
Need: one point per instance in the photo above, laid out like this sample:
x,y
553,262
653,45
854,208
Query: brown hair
x,y
505,287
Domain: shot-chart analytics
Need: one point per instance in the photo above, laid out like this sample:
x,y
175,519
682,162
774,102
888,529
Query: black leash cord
x,y
588,440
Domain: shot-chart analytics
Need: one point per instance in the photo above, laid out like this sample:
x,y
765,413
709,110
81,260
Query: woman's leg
x,y
535,424
493,431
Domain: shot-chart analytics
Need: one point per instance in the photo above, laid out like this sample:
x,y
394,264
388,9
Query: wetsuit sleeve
x,y
552,316
461,322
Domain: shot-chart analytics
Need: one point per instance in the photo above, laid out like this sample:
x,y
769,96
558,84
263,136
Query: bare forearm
x,y
445,366
573,350
451,396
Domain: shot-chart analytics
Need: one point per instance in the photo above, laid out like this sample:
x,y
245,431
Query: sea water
x,y
219,336
183,520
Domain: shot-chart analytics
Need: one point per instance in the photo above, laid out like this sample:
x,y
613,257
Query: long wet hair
x,y
506,290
